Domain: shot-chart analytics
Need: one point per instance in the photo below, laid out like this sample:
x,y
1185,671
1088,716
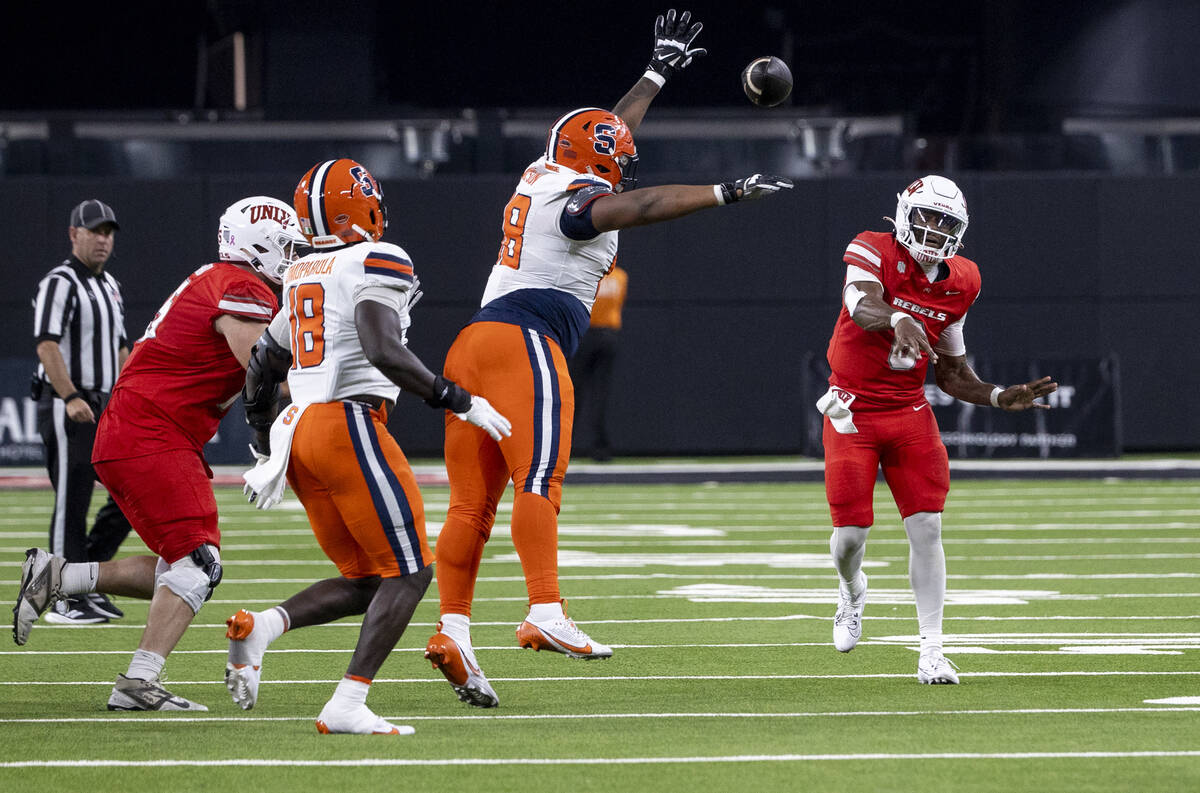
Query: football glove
x,y
673,49
752,187
484,416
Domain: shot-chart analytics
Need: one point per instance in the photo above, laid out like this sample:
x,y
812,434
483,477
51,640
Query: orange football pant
x,y
523,374
359,491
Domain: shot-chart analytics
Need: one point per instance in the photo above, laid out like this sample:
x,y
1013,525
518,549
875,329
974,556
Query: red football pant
x,y
168,499
908,446
523,374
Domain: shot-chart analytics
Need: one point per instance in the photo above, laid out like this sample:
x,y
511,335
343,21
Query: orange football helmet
x,y
338,202
595,141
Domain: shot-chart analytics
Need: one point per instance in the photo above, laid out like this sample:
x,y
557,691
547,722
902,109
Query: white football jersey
x,y
316,319
535,253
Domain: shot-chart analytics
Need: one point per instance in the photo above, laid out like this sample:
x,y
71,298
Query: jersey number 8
x,y
515,215
306,304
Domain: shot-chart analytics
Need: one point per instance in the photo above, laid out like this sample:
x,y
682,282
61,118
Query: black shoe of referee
x,y
102,605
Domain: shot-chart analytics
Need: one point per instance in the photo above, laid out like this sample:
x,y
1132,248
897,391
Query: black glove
x,y
752,187
673,39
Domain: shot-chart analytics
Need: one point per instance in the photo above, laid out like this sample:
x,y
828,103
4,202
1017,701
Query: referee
x,y
79,325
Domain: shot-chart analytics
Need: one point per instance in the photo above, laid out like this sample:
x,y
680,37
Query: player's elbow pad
x,y
268,368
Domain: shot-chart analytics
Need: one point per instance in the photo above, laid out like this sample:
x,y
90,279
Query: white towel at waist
x,y
830,404
268,478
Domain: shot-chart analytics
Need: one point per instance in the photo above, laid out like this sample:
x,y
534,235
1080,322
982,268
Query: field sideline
x,y
1073,614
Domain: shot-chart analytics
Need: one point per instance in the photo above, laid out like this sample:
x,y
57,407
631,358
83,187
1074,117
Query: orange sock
x,y
535,536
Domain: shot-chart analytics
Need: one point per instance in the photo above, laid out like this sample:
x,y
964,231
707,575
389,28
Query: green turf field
x,y
1073,614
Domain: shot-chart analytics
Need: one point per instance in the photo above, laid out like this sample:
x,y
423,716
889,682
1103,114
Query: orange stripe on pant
x,y
523,374
359,491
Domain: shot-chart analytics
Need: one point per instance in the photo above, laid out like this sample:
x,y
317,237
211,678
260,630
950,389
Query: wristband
x,y
448,395
655,78
996,396
896,317
719,192
74,395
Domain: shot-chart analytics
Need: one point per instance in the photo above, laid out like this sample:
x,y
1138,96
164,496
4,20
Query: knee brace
x,y
194,577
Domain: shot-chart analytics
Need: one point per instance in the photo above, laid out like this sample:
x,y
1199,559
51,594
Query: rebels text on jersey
x,y
859,359
551,257
181,377
320,293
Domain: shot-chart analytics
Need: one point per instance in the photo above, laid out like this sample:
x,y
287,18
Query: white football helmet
x,y
931,219
262,232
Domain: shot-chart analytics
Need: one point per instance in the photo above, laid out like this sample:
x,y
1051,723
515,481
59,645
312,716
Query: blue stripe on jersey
x,y
546,412
399,276
382,511
556,314
388,257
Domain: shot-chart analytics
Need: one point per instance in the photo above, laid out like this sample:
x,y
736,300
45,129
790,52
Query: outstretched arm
x,y
958,379
667,202
673,51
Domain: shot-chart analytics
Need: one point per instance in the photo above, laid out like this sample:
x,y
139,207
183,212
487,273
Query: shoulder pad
x,y
584,193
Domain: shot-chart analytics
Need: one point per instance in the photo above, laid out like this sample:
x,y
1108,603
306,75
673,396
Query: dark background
x,y
724,304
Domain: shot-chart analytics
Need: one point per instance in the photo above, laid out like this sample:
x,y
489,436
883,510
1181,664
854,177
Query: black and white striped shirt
x,y
84,313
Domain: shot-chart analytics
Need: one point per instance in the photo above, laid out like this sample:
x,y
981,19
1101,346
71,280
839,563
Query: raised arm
x,y
673,51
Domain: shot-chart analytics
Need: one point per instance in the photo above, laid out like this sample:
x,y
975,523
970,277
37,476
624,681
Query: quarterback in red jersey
x,y
179,381
906,296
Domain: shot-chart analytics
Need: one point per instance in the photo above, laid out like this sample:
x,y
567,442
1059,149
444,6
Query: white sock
x,y
350,691
271,622
546,612
457,627
931,641
927,572
145,665
80,577
847,545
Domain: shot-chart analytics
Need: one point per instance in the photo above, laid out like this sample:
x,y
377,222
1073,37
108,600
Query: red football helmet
x,y
338,202
595,141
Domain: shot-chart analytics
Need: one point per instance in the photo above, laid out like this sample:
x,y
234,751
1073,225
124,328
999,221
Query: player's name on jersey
x,y
316,267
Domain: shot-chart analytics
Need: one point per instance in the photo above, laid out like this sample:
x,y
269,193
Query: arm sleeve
x,y
575,222
851,294
280,331
52,309
951,342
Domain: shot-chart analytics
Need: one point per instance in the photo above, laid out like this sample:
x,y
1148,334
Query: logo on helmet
x,y
604,143
265,211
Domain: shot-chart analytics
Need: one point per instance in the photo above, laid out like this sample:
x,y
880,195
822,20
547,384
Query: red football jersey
x,y
181,377
859,358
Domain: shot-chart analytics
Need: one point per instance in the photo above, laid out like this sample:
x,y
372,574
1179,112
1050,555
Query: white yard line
x,y
535,761
634,678
168,718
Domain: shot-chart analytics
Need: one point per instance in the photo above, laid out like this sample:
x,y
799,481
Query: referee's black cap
x,y
92,213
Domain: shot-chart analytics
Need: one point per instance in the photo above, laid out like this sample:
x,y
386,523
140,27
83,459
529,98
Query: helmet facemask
x,y
931,219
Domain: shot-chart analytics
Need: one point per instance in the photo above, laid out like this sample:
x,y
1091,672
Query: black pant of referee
x,y
69,463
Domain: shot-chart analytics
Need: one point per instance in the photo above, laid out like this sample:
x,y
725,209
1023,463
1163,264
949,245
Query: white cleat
x,y
560,635
41,586
935,668
243,669
458,664
847,622
357,720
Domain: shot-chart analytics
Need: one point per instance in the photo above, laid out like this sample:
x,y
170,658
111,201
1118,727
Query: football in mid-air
x,y
767,81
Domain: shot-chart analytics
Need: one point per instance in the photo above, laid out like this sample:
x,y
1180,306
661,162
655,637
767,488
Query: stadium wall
x,y
724,304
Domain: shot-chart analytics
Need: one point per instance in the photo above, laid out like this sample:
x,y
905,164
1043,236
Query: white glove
x,y
484,416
